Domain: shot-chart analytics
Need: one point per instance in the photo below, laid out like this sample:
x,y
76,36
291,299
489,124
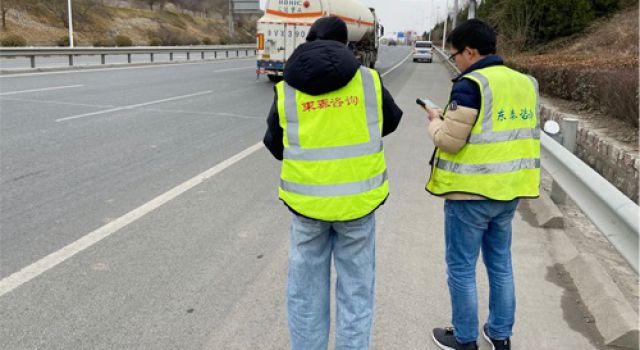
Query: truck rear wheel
x,y
274,78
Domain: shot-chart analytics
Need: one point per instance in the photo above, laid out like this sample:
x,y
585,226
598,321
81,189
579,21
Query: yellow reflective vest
x,y
333,166
501,159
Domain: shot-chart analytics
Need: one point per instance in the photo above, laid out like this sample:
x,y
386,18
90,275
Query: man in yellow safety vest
x,y
487,157
326,125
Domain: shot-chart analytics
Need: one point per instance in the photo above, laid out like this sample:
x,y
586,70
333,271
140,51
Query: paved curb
x,y
547,214
615,319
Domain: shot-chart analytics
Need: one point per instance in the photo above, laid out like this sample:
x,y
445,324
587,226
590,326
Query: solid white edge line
x,y
38,90
105,111
39,267
396,66
90,69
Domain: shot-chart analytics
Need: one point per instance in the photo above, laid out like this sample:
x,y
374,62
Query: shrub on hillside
x,y
207,41
155,42
122,40
613,91
189,40
64,41
13,40
526,23
102,43
168,37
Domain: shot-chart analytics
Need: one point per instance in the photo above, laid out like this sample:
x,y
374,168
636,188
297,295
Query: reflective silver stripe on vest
x,y
490,168
333,152
295,152
488,135
507,135
291,109
487,121
344,189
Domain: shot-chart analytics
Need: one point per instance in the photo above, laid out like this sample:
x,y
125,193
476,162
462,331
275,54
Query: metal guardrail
x,y
33,53
613,213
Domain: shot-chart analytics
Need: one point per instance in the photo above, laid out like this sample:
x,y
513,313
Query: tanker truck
x,y
286,23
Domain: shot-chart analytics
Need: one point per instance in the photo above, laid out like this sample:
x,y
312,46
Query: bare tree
x,y
83,7
5,6
472,8
59,9
4,10
160,3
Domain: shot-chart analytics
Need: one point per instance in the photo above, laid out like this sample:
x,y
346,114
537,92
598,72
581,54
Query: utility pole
x,y
444,32
231,24
429,19
472,9
70,24
455,14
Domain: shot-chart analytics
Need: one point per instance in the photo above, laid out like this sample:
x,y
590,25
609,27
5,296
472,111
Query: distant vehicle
x,y
285,25
422,51
392,43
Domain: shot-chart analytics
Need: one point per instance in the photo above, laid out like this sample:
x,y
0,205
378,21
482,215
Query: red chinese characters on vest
x,y
330,103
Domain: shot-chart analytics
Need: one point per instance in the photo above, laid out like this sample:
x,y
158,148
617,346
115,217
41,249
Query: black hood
x,y
320,66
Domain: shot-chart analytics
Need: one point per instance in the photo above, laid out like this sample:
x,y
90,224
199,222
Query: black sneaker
x,y
445,339
496,344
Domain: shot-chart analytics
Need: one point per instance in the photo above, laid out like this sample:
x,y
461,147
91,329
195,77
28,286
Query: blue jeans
x,y
352,245
471,226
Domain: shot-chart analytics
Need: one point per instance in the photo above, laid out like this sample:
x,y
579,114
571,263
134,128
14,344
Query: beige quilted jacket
x,y
450,134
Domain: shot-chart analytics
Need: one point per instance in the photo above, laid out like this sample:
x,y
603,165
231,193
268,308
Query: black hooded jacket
x,y
318,67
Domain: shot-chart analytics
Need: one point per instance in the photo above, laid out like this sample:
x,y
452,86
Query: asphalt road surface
x,y
139,211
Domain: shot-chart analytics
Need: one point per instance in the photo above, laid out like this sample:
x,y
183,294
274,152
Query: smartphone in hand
x,y
427,102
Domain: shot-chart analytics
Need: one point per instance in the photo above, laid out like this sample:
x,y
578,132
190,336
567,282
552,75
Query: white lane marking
x,y
38,90
396,66
41,266
232,69
132,106
148,66
55,102
211,114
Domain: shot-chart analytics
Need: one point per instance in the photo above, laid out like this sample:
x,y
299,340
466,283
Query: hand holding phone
x,y
430,107
427,102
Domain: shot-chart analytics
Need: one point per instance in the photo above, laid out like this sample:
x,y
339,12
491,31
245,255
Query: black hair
x,y
329,28
474,34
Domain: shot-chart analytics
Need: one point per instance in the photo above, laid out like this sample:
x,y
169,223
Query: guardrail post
x,y
215,55
202,55
227,53
33,61
246,53
569,129
71,60
103,59
237,53
170,56
129,57
188,55
152,58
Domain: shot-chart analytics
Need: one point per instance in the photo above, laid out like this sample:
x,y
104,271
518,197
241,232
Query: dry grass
x,y
141,25
617,34
597,70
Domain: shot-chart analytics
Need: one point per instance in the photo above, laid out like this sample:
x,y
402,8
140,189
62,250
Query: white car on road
x,y
422,51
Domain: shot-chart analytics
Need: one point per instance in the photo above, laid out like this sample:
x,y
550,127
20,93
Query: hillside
x,y
596,69
98,22
608,43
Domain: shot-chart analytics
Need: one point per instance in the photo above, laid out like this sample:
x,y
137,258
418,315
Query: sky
x,y
401,15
